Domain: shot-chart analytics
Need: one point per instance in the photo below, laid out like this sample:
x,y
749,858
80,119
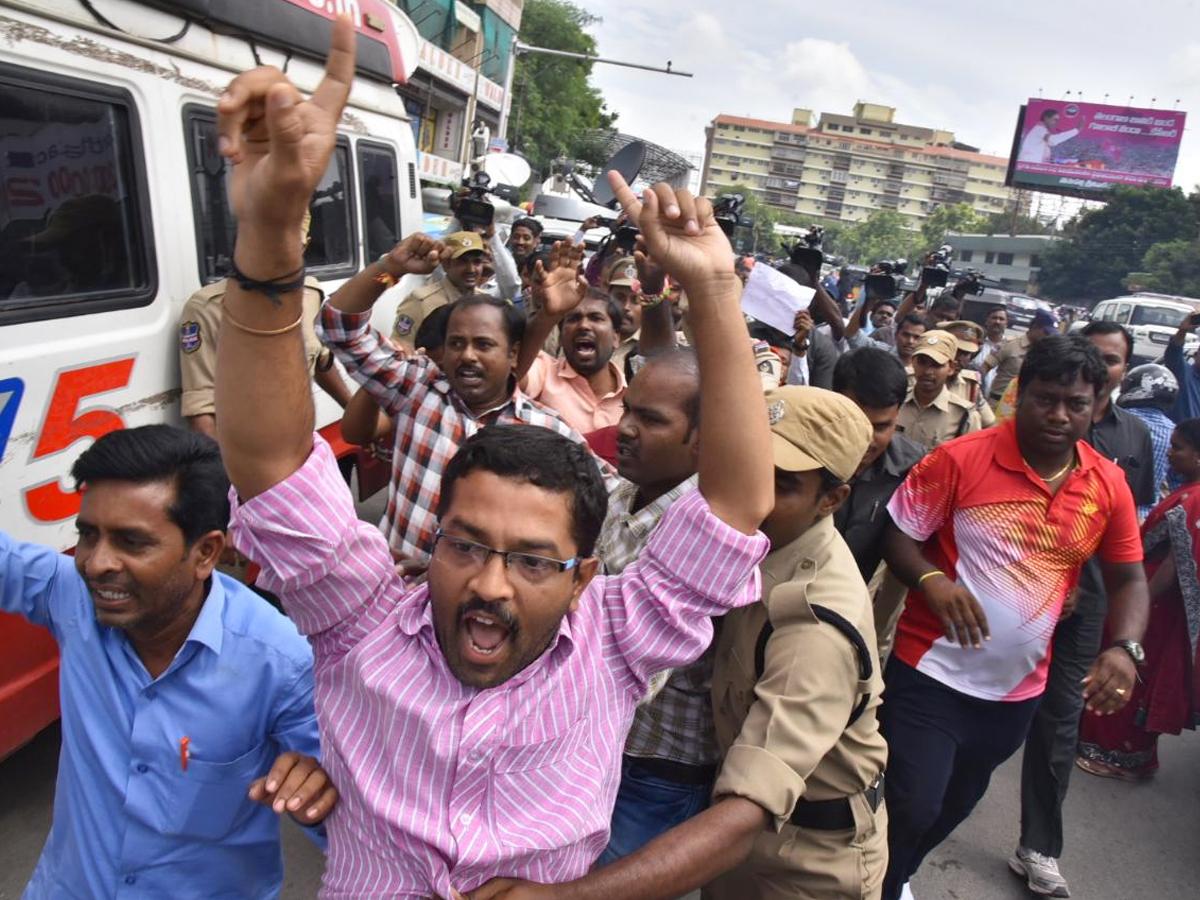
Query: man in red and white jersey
x,y
990,532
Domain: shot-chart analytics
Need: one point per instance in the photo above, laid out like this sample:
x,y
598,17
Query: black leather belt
x,y
834,815
669,770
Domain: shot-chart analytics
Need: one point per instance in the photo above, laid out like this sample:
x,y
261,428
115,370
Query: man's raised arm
x,y
736,471
279,144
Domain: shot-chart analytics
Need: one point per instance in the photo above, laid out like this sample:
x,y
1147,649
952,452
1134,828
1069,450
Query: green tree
x,y
880,236
555,102
1007,223
1172,267
765,239
1102,246
960,218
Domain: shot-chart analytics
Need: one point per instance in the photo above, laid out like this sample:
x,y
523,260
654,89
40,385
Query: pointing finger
x,y
626,197
334,90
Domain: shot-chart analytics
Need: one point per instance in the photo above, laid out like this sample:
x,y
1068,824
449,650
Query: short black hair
x,y
1103,328
537,256
684,361
540,457
910,319
946,301
875,376
761,331
1047,113
514,319
829,481
1189,430
151,453
1061,358
431,335
885,302
532,224
798,274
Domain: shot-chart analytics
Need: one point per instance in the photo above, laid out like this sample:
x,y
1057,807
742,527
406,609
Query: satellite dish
x,y
507,168
628,161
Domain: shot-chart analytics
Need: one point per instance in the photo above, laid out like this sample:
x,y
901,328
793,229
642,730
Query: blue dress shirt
x,y
1187,405
129,821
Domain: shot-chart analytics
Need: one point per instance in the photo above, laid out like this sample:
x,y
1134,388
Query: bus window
x,y
74,224
332,241
380,203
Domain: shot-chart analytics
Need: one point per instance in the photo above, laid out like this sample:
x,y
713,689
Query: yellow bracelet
x,y
259,332
921,580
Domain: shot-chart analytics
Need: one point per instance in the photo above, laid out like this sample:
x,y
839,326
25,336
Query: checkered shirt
x,y
1161,427
676,723
431,422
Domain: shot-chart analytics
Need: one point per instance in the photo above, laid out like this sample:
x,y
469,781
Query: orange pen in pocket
x,y
183,753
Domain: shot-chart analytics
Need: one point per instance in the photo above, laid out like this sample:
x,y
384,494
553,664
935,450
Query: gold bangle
x,y
259,332
921,580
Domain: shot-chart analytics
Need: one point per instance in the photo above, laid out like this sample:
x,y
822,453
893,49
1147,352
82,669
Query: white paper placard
x,y
773,298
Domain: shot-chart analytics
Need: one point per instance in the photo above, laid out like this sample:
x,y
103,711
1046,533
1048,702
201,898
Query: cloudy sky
x,y
966,67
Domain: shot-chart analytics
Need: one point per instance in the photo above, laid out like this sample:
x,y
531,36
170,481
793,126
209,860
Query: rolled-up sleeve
x,y
386,374
659,610
328,567
802,703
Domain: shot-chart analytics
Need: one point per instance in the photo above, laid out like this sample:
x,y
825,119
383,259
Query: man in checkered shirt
x,y
434,409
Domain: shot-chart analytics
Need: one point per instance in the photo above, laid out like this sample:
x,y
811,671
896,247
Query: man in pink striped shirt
x,y
474,724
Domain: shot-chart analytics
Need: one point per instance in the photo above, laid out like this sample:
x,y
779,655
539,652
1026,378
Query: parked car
x,y
1151,318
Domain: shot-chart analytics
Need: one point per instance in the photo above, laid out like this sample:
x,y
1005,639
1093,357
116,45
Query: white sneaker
x,y
1040,872
906,893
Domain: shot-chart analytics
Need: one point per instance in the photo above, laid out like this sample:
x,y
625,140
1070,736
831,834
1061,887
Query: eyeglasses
x,y
527,566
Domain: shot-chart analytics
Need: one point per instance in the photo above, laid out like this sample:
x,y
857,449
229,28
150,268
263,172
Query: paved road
x,y
1124,841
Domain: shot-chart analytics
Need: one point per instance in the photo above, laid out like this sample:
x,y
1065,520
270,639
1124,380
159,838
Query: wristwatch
x,y
1133,648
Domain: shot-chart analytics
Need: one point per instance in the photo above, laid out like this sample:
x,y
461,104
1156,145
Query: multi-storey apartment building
x,y
845,167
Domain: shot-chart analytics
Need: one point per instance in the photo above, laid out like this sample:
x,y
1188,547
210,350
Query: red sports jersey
x,y
993,526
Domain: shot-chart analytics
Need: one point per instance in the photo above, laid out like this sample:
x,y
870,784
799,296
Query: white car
x,y
1152,319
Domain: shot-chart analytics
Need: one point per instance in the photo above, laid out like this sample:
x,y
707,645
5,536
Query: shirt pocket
x,y
548,795
211,798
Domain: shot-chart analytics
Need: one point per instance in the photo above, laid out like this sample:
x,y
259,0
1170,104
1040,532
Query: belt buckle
x,y
874,793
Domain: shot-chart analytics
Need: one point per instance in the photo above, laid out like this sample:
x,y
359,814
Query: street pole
x,y
472,104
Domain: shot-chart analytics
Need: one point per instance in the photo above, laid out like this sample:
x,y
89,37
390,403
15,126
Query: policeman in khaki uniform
x,y
463,266
797,681
198,329
932,415
966,382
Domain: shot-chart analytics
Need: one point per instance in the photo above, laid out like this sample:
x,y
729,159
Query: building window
x,y
833,127
1035,261
966,255
381,200
864,131
990,258
1004,259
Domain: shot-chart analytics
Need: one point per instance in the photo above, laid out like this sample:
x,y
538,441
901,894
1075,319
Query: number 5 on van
x,y
65,423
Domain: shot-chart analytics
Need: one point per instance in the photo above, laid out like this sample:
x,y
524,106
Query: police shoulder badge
x,y
189,337
404,324
775,412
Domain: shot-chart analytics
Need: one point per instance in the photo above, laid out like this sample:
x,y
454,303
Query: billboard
x,y
1084,149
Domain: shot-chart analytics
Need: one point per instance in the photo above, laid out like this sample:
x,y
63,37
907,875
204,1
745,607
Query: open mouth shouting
x,y
484,636
469,376
585,347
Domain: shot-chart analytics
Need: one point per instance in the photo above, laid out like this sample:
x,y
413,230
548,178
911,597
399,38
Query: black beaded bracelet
x,y
273,288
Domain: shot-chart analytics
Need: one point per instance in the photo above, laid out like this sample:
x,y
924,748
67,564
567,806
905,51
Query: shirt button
x,y
475,756
807,564
464,819
143,769
131,879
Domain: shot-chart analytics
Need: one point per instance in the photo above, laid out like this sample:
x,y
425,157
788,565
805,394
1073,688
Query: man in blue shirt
x,y
1188,404
179,687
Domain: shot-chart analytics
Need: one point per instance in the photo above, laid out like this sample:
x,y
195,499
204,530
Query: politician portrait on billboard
x,y
1086,148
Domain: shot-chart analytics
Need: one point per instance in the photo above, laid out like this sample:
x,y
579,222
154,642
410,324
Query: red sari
x,y
1166,700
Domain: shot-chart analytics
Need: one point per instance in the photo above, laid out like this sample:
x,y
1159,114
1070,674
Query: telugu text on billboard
x,y
1087,148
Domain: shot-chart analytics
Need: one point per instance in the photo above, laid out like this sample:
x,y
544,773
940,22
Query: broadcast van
x,y
114,210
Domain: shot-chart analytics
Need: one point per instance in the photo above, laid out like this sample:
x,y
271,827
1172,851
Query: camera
x,y
938,270
728,213
884,283
808,253
970,282
472,209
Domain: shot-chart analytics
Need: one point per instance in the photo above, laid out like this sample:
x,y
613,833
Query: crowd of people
x,y
663,598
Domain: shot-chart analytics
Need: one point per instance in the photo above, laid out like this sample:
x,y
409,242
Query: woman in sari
x,y
1167,700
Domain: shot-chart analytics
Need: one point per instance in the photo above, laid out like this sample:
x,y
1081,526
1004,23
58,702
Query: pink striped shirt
x,y
445,786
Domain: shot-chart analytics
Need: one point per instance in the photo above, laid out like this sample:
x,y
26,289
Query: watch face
x,y
1135,650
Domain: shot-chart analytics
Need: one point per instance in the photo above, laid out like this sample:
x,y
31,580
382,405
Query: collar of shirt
x,y
901,455
1008,453
442,385
940,402
565,372
781,565
644,520
209,627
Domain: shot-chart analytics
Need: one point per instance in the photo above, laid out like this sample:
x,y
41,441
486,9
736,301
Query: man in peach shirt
x,y
584,385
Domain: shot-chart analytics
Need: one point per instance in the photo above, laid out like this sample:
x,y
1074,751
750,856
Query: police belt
x,y
670,770
834,815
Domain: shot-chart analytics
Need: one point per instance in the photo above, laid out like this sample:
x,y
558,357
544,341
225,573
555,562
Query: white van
x,y
1152,319
114,206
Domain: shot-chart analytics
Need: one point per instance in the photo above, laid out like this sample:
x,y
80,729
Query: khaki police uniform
x,y
198,328
1007,363
784,735
416,306
966,386
796,690
946,418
